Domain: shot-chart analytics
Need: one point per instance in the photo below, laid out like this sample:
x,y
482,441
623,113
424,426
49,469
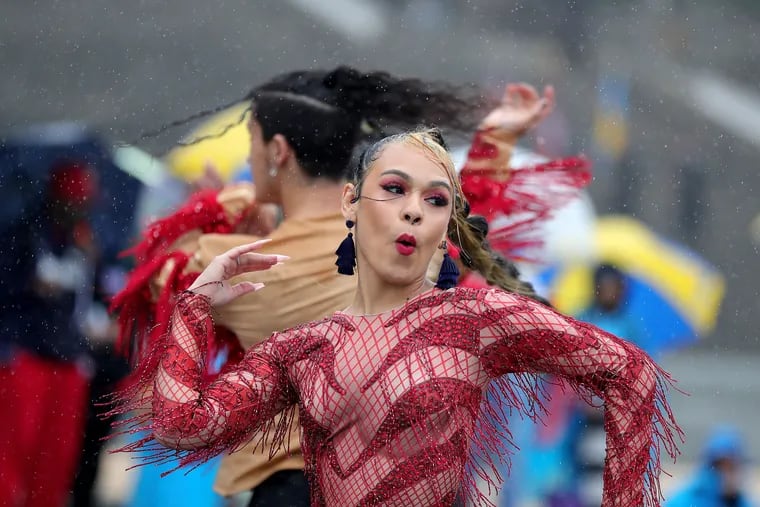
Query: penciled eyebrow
x,y
407,178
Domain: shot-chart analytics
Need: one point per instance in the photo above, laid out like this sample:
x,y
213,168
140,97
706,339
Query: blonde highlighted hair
x,y
467,232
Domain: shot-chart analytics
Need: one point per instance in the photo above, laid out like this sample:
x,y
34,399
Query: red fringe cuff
x,y
528,196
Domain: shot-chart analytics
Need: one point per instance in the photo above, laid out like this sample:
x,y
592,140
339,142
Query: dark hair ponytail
x,y
403,103
324,115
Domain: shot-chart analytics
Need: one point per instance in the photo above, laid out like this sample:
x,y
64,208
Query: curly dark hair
x,y
325,115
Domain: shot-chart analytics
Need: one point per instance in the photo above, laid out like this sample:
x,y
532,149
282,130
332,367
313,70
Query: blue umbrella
x,y
26,158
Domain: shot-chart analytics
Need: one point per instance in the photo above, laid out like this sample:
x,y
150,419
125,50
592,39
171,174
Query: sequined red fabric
x,y
391,404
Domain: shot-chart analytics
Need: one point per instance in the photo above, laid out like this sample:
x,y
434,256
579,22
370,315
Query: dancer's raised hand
x,y
521,109
211,179
214,280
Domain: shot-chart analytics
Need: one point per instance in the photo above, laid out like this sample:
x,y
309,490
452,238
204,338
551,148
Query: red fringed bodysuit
x,y
389,402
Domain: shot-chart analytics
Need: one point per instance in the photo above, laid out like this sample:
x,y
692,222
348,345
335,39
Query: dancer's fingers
x,y
256,262
242,288
549,97
248,247
527,93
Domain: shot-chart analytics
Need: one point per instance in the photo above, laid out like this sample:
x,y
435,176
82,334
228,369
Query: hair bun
x,y
330,80
360,94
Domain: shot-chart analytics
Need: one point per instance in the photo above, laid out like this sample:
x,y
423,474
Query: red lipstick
x,y
405,244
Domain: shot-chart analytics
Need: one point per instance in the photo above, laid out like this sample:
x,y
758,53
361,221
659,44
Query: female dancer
x,y
389,389
304,126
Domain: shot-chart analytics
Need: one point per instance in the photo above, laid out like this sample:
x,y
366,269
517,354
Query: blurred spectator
x,y
48,276
718,482
107,369
608,310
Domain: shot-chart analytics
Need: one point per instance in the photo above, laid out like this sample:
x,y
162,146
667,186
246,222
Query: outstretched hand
x,y
214,283
521,109
211,179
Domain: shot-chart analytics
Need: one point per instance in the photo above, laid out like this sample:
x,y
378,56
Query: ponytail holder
x,y
479,225
343,74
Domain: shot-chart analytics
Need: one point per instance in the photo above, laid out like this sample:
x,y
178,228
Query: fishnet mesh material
x,y
390,404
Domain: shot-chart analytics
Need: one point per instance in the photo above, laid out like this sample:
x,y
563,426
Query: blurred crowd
x,y
68,211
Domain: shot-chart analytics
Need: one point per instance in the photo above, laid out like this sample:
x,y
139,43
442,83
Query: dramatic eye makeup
x,y
397,182
438,199
393,185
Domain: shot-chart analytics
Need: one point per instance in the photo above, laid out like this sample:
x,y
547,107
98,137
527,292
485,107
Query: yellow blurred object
x,y
611,132
574,289
228,153
694,287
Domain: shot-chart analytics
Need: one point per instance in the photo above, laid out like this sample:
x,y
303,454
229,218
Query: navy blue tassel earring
x,y
449,274
346,253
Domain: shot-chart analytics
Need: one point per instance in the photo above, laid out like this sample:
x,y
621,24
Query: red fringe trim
x,y
528,196
139,403
482,149
141,320
202,211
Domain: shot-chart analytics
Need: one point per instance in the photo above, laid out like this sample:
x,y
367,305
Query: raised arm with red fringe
x,y
524,195
202,212
391,403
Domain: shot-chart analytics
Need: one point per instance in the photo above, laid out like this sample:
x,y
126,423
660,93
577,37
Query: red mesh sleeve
x,y
205,419
522,336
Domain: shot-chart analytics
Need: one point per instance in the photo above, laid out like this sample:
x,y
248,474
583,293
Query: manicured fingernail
x,y
281,258
258,286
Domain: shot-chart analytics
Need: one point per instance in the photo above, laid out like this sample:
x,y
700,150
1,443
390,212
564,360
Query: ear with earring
x,y
448,276
346,253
